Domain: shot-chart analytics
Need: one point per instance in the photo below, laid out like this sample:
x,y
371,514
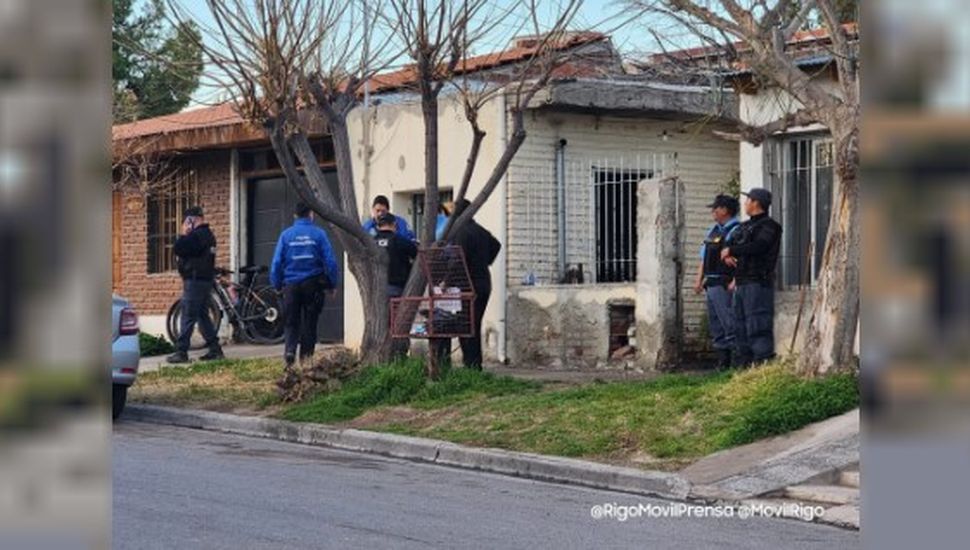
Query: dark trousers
x,y
302,304
471,347
195,310
720,316
754,315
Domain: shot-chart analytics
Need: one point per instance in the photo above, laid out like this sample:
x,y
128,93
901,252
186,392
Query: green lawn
x,y
662,423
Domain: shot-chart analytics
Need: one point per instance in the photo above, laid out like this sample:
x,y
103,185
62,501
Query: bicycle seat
x,y
253,269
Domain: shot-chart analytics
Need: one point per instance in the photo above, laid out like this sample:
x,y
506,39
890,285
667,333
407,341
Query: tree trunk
x,y
830,341
429,108
371,276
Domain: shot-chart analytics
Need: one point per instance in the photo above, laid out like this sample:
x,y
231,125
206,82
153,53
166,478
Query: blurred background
x,y
916,260
54,279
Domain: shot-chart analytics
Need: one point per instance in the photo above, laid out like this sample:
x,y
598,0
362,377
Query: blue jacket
x,y
403,229
303,251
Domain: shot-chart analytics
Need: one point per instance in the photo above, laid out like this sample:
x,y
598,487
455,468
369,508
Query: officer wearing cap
x,y
753,252
714,277
195,254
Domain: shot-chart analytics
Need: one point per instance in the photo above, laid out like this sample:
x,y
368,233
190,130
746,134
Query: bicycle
x,y
254,312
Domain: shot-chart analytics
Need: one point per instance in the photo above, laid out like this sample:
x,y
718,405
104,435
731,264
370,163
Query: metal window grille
x,y
800,175
165,206
601,216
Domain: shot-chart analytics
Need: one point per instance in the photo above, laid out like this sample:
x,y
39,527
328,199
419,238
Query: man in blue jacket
x,y
380,207
304,268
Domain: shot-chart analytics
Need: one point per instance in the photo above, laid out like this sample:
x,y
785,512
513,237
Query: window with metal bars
x,y
165,208
801,179
615,194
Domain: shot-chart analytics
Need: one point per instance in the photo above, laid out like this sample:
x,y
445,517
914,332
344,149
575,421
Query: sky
x,y
631,38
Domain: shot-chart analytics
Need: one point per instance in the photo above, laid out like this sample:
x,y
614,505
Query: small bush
x,y
150,345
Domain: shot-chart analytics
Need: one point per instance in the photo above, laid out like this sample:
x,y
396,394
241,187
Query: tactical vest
x,y
761,267
713,244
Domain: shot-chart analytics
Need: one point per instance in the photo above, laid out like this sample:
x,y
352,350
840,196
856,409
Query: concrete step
x,y
849,479
826,494
846,515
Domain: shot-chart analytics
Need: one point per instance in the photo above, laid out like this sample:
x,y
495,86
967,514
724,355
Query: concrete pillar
x,y
660,222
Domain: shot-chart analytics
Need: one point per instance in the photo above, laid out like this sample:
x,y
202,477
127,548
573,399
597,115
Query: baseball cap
x,y
726,201
195,211
760,194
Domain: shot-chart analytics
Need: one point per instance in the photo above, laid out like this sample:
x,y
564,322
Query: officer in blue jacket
x,y
380,207
714,277
304,267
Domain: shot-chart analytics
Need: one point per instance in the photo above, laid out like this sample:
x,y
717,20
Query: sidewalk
x,y
232,351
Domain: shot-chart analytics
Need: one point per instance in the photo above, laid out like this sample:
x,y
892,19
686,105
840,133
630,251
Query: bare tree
x,y
755,33
440,38
293,67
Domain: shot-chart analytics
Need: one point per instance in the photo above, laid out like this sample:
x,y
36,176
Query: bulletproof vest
x,y
713,245
759,267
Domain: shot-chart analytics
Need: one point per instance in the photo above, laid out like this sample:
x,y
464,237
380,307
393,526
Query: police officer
x,y
382,206
401,253
195,254
714,276
304,267
753,252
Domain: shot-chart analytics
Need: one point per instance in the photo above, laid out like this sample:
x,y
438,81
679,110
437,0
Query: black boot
x,y
215,353
177,357
723,359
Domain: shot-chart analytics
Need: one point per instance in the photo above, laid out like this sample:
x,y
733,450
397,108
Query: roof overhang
x,y
637,98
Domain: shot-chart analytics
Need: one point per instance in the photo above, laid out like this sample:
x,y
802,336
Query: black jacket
x,y
195,254
480,249
401,253
756,244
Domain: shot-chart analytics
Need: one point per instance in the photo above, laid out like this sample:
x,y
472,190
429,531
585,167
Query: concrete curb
x,y
526,465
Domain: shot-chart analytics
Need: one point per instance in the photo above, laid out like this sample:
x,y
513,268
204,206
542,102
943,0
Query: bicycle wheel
x,y
263,316
173,323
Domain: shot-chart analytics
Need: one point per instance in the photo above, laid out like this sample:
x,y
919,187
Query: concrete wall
x,y
388,156
704,164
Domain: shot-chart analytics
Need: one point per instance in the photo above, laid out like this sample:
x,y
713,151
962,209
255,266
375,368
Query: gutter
x,y
561,203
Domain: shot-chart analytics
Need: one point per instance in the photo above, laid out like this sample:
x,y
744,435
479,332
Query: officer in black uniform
x,y
195,252
753,252
401,252
714,277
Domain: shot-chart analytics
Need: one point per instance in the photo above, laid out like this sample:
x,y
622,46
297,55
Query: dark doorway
x,y
271,202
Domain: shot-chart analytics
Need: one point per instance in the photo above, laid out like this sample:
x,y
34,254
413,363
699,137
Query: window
x,y
801,178
417,209
615,193
165,207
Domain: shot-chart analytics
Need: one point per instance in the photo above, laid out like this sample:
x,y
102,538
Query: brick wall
x,y
153,293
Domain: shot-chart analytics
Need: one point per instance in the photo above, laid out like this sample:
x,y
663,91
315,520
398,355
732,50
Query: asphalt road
x,y
182,488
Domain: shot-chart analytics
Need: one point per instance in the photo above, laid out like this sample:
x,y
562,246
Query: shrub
x,y
153,345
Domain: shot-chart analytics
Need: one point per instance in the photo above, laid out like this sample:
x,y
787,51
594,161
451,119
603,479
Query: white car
x,y
125,352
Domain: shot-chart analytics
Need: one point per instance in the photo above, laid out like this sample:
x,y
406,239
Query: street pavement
x,y
184,488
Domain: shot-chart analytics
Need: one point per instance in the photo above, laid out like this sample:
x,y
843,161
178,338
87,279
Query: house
x,y
575,281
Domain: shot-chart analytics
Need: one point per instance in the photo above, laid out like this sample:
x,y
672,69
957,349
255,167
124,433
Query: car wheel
x,y
119,394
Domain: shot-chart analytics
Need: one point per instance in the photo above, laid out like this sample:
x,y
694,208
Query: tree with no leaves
x,y
755,33
295,66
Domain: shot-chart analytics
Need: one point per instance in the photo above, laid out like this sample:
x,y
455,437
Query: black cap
x,y
386,219
760,194
195,211
726,201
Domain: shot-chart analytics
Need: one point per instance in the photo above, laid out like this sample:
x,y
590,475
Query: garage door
x,y
271,203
